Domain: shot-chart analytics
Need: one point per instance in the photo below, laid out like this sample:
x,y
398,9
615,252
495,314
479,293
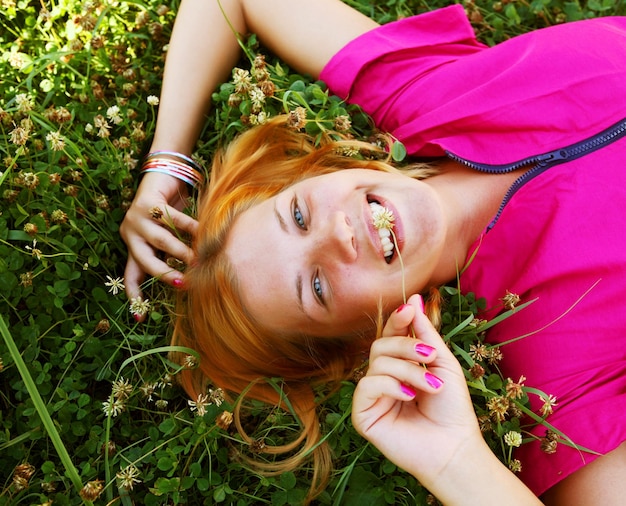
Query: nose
x,y
337,239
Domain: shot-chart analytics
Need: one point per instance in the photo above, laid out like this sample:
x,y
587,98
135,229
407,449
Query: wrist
x,y
174,164
474,475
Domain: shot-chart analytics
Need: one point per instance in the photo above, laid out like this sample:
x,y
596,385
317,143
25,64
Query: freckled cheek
x,y
358,296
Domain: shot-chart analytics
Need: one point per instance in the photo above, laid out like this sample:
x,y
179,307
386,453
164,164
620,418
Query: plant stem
x,y
41,408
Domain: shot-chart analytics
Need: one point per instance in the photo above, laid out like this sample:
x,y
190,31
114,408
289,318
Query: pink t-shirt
x,y
561,237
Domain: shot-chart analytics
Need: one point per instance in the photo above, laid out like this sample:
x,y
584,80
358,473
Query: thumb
x,y
399,322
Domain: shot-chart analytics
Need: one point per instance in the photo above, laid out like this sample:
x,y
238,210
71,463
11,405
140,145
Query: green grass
x,y
75,79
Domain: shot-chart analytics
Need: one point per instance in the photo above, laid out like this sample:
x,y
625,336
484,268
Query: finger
x,y
178,221
374,397
406,372
164,240
405,348
425,331
399,322
133,277
183,222
151,264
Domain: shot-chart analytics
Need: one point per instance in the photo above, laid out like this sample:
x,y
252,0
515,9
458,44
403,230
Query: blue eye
x,y
317,288
297,216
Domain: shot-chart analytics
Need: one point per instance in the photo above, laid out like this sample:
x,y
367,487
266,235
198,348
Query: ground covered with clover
x,y
89,405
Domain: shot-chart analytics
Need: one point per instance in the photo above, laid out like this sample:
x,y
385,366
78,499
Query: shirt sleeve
x,y
431,84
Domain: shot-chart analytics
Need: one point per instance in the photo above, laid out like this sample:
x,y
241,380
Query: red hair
x,y
237,353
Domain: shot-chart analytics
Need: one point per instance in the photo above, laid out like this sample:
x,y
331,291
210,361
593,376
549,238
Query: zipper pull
x,y
553,156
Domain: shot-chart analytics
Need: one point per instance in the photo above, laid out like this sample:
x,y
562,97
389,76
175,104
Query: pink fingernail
x,y
433,380
178,283
420,302
423,349
401,308
407,390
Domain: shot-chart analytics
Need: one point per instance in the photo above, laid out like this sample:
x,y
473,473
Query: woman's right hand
x,y
148,237
422,419
418,415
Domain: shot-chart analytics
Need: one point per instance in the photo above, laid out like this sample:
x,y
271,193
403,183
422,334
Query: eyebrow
x,y
299,284
280,219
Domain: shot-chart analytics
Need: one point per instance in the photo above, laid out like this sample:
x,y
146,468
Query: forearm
x,y
476,477
202,51
204,48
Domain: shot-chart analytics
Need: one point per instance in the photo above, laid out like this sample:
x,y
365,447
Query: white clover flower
x,y
34,250
113,113
56,140
24,102
199,405
242,80
153,100
257,97
513,438
115,285
139,307
113,406
128,477
161,404
383,218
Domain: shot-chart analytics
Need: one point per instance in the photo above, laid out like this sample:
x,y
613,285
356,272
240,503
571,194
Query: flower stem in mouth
x,y
395,241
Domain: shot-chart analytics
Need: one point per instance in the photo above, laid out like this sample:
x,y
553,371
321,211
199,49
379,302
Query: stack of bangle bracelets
x,y
174,164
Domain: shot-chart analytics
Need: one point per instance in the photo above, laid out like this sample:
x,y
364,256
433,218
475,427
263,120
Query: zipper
x,y
545,161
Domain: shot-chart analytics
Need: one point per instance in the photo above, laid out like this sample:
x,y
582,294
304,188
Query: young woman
x,y
289,271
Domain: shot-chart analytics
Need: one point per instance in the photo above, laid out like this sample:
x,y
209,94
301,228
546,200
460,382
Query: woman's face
x,y
310,260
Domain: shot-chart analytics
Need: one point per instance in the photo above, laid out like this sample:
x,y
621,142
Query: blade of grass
x,y
40,406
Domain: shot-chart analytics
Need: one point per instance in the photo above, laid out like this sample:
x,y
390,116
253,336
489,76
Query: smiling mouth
x,y
383,222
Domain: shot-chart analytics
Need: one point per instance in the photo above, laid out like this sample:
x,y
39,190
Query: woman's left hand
x,y
418,416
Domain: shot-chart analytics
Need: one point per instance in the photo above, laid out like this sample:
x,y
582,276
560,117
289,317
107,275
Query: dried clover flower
x,y
59,217
224,419
26,279
189,362
510,300
515,390
31,229
498,407
515,466
297,118
549,403
121,389
479,351
92,490
216,396
103,326
147,389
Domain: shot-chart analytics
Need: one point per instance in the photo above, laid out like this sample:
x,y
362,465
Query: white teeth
x,y
387,246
